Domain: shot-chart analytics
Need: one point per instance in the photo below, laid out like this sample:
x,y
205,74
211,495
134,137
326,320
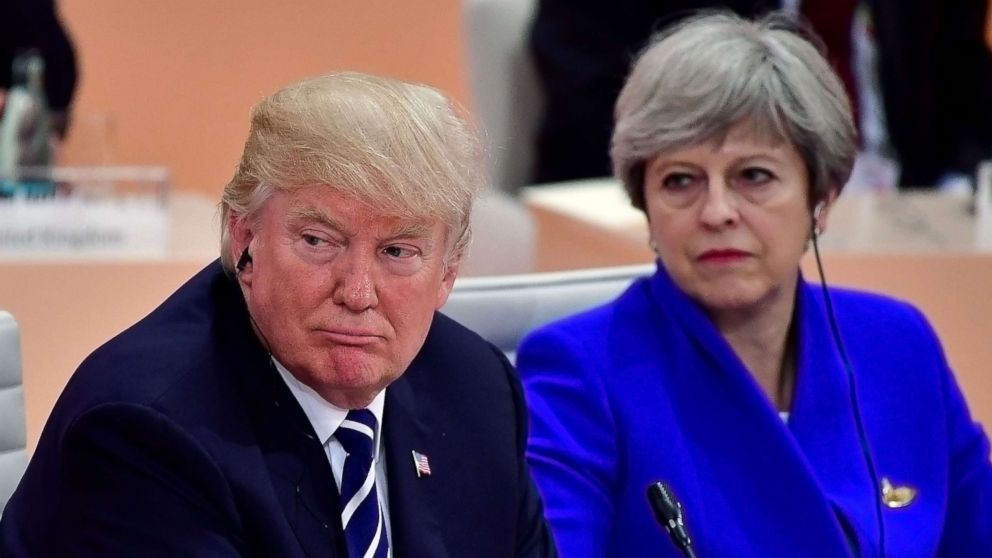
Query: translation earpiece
x,y
817,210
243,261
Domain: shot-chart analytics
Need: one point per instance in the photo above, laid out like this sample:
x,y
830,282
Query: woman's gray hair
x,y
702,76
402,148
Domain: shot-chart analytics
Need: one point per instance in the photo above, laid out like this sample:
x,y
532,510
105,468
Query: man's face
x,y
342,294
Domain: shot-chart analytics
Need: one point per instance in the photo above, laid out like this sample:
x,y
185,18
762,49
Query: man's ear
x,y
240,233
447,281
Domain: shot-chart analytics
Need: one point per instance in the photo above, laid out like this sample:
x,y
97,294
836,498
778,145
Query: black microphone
x,y
668,512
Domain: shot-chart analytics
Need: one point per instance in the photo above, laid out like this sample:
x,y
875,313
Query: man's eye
x,y
312,240
399,252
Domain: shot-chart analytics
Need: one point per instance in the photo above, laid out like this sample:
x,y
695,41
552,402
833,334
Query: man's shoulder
x,y
457,362
449,341
164,349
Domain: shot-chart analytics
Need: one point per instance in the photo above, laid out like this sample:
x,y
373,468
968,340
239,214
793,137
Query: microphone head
x,y
666,507
668,512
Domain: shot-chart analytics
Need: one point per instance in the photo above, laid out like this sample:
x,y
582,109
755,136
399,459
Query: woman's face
x,y
730,220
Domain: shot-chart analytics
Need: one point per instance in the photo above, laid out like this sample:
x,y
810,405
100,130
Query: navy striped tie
x,y
364,530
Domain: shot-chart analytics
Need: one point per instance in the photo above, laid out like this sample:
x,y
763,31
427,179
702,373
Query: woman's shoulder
x,y
868,310
886,333
853,296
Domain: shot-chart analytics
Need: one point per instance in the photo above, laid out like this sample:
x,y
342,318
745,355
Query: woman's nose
x,y
719,206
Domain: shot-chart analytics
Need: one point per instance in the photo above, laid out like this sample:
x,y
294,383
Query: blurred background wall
x,y
171,83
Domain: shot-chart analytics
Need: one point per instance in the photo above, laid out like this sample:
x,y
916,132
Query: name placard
x,y
66,228
108,213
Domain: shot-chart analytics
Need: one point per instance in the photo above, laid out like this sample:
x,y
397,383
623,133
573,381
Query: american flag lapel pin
x,y
421,464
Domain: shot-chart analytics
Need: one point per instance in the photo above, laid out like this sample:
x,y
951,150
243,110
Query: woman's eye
x,y
677,181
756,175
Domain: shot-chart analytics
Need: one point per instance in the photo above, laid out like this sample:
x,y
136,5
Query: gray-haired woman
x,y
790,419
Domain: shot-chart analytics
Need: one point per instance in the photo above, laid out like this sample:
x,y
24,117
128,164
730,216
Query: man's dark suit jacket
x,y
178,438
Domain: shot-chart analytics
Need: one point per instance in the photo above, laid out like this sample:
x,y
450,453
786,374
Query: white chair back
x,y
504,309
13,439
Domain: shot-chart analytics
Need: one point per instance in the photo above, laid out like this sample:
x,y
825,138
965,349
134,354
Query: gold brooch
x,y
895,497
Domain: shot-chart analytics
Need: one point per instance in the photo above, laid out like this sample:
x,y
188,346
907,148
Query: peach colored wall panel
x,y
176,79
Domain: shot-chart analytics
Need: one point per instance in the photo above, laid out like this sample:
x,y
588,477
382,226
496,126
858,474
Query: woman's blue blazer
x,y
645,389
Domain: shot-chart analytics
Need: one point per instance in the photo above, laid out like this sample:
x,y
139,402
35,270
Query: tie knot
x,y
357,433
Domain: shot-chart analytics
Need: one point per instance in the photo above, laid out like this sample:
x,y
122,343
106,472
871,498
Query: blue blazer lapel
x,y
412,498
822,397
735,432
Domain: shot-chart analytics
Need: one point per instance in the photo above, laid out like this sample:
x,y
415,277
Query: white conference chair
x,y
13,439
505,93
504,309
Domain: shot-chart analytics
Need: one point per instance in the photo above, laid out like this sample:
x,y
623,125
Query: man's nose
x,y
354,281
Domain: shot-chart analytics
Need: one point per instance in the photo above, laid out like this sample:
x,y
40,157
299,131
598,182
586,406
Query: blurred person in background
x,y
790,418
34,24
933,69
920,74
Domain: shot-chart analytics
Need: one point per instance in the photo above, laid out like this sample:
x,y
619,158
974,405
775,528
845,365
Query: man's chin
x,y
351,380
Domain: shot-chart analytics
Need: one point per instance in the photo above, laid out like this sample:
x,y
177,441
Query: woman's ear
x,y
821,211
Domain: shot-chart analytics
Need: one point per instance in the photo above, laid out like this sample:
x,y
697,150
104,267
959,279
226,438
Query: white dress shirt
x,y
325,418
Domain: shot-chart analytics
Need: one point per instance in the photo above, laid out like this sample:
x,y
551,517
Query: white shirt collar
x,y
325,417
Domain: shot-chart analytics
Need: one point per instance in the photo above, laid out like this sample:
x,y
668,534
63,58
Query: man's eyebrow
x,y
411,229
308,213
406,229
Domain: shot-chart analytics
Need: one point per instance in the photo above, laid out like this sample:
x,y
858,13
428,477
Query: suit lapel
x,y
412,498
301,476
